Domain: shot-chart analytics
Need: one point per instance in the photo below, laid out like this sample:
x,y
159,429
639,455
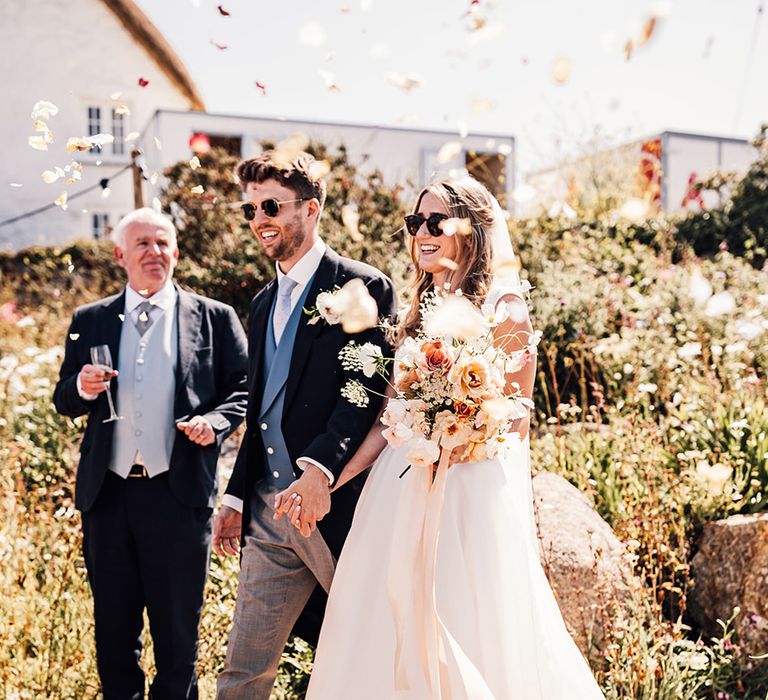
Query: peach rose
x,y
471,377
406,380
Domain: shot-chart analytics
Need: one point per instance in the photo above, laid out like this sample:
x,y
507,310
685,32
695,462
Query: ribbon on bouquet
x,y
415,582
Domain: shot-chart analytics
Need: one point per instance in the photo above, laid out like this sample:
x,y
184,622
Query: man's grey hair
x,y
145,215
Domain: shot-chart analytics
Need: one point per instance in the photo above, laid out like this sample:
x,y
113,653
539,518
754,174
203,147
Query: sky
x,y
484,66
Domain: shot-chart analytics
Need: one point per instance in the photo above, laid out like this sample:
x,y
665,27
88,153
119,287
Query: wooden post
x,y
138,194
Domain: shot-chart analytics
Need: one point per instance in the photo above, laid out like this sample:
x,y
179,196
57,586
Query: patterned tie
x,y
283,306
144,319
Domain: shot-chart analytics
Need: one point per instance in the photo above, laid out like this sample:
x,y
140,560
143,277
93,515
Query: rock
x,y
583,559
731,570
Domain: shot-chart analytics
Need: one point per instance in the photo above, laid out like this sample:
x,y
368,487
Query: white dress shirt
x,y
301,273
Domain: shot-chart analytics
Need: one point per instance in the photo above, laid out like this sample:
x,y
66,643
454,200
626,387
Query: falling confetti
x,y
74,336
561,70
448,151
61,200
220,47
153,178
405,82
454,226
194,163
261,87
350,217
158,145
16,184
448,263
44,110
628,49
320,168
197,189
312,34
50,176
38,143
482,105
121,317
115,96
143,82
223,12
122,110
330,80
647,32
132,136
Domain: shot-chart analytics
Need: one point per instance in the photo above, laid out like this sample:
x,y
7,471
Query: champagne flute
x,y
101,356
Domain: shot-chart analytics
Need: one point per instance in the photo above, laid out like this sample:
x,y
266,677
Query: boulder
x,y
583,559
731,570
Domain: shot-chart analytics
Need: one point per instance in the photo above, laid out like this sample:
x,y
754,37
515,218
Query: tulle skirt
x,y
500,634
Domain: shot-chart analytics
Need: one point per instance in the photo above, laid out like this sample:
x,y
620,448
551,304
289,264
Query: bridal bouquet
x,y
451,396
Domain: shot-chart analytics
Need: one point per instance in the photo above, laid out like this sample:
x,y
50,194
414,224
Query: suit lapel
x,y
189,318
324,281
114,317
257,337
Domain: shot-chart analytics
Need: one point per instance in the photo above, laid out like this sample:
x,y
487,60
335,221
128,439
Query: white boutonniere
x,y
352,306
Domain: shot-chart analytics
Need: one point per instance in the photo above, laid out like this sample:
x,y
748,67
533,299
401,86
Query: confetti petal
x,y
143,82
405,82
132,136
115,96
261,87
561,70
448,151
122,110
194,163
198,189
74,336
320,168
482,105
38,143
222,11
330,80
158,145
61,200
647,32
220,47
121,317
49,176
312,34
16,184
350,217
44,110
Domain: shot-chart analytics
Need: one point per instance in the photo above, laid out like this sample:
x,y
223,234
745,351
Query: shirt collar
x,y
164,298
303,270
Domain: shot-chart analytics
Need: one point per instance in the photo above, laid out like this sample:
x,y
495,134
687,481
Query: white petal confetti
x,y
61,200
38,143
44,110
197,189
448,151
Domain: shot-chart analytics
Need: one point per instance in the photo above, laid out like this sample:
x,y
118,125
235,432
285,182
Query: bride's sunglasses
x,y
413,222
270,207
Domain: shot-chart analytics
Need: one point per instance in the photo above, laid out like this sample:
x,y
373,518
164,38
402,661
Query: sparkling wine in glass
x,y
102,357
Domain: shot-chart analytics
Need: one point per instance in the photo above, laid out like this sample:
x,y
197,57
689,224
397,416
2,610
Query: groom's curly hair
x,y
293,170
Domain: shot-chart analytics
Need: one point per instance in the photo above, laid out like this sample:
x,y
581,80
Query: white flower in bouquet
x,y
327,308
456,317
397,435
395,412
423,452
370,358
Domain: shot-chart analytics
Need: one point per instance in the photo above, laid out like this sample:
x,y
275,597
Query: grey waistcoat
x,y
145,395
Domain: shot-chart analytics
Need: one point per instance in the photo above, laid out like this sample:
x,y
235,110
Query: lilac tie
x,y
283,306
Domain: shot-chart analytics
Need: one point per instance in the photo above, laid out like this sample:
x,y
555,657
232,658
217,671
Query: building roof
x,y
149,37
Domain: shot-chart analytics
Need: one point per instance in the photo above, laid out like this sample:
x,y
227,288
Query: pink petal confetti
x,y
220,47
261,87
223,12
143,82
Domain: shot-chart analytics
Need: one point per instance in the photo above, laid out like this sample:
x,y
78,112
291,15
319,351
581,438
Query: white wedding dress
x,y
499,632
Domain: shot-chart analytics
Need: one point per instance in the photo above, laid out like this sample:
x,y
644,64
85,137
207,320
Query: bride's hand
x,y
285,503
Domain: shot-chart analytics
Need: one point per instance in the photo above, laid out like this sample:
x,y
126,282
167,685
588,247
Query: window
x,y
490,169
94,124
231,144
118,131
100,225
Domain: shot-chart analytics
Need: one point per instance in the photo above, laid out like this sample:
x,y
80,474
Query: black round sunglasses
x,y
270,207
413,222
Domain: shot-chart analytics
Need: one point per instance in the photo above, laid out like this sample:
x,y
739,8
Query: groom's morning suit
x,y
295,413
146,492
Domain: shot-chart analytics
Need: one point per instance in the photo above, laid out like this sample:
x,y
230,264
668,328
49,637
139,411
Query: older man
x,y
146,483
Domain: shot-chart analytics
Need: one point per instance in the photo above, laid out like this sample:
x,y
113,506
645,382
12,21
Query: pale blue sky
x,y
690,77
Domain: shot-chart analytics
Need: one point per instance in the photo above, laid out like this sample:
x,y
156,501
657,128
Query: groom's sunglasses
x,y
270,207
413,222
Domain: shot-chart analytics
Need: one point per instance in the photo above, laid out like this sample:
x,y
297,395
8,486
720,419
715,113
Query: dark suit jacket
x,y
317,421
210,381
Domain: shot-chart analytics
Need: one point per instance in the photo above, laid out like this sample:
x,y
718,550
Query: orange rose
x,y
406,380
472,376
437,356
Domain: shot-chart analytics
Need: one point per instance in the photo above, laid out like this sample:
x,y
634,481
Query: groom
x,y
301,431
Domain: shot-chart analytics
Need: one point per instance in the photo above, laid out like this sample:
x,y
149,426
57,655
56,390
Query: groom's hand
x,y
312,500
226,531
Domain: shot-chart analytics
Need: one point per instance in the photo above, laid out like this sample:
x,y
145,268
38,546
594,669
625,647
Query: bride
x,y
500,635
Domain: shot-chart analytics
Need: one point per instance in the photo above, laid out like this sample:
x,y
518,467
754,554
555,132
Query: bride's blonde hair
x,y
463,198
